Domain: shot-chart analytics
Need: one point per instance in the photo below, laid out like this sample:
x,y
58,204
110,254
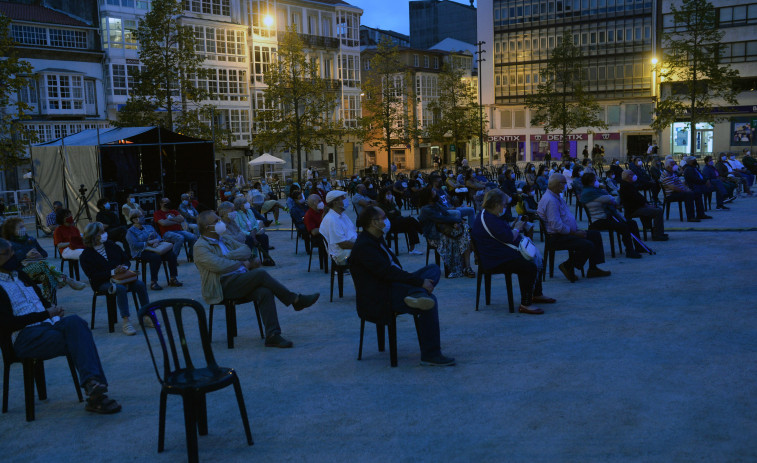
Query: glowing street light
x,y
654,61
268,20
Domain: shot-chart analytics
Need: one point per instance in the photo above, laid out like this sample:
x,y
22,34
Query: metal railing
x,y
17,203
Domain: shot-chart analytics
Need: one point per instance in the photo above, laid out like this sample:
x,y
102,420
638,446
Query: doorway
x,y
637,145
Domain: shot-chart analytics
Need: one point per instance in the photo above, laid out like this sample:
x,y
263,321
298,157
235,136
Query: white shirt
x,y
23,298
338,228
736,164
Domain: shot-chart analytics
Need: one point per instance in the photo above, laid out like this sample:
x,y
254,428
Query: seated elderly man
x,y
377,273
643,180
227,272
728,174
44,333
171,225
337,228
699,184
361,200
740,169
675,190
637,206
604,216
585,244
188,211
723,190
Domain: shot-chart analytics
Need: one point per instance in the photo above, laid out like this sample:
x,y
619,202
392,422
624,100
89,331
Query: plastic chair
x,y
338,270
610,232
231,320
394,236
549,253
110,303
139,260
437,256
666,204
183,378
34,372
323,255
391,323
486,275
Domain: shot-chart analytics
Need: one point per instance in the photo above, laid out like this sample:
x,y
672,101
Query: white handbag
x,y
526,247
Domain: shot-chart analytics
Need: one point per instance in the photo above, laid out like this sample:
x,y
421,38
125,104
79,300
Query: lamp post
x,y
479,44
656,97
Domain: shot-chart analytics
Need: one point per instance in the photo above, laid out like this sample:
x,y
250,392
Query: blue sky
x,y
386,14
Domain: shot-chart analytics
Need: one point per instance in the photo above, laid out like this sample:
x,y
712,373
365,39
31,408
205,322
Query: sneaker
x,y
438,361
94,388
103,405
128,329
75,285
148,322
420,302
305,300
415,252
278,340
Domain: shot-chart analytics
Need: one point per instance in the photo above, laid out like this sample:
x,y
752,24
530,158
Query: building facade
x,y
432,21
371,36
618,39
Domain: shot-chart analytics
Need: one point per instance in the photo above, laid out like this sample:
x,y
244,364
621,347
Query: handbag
x,y
124,278
161,248
526,247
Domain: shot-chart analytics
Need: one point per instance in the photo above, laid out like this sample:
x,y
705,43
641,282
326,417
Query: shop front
x,y
609,142
552,144
507,149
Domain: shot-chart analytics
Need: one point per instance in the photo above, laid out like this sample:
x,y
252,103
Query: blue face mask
x,y
387,226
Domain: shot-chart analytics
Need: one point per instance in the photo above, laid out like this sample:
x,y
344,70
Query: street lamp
x,y
268,20
655,96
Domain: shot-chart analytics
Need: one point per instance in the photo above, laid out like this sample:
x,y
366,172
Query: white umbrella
x,y
266,159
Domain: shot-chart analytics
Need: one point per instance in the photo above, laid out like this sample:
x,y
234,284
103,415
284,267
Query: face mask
x,y
233,215
389,197
596,183
21,232
185,202
387,226
612,177
733,158
346,203
675,168
69,220
638,163
512,176
263,182
370,186
634,178
141,220
532,193
404,184
710,163
104,237
504,211
228,193
301,201
320,206
107,206
220,228
246,205
131,200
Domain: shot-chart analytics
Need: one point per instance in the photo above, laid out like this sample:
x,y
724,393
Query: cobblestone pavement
x,y
655,363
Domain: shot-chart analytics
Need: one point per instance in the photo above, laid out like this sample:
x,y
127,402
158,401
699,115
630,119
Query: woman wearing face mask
x,y
102,260
130,205
146,244
228,215
400,223
247,222
602,208
111,223
30,257
447,234
507,183
530,174
491,235
67,237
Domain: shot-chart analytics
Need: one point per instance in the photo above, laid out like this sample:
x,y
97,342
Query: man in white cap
x,y
337,228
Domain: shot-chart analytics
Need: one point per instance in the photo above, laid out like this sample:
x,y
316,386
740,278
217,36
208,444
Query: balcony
x,y
319,41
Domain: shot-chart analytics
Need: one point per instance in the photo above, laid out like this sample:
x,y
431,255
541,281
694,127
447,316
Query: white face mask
x,y
220,228
389,197
634,178
638,163
675,168
246,205
387,226
320,206
21,231
107,206
104,237
346,203
131,200
596,183
370,186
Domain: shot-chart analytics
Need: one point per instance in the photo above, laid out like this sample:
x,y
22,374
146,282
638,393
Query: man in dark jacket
x,y
636,205
724,189
45,333
377,272
699,183
643,180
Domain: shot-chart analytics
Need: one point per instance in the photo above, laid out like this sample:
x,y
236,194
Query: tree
x,y
299,105
14,136
455,110
170,65
386,121
691,63
560,102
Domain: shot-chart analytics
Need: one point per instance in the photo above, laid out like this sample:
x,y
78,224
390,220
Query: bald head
x,y
313,201
557,183
627,176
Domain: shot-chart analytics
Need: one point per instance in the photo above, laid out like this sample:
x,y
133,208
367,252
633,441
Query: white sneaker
x,y
420,302
128,329
415,252
75,285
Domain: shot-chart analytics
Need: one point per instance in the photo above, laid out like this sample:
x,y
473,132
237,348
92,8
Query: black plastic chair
x,y
437,257
323,254
610,231
549,253
34,372
666,204
182,377
394,236
138,261
487,277
338,270
391,323
110,302
231,320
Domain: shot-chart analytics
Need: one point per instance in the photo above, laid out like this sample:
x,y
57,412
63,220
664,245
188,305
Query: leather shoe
x,y
568,272
305,300
530,311
597,272
694,220
705,217
544,299
723,208
278,340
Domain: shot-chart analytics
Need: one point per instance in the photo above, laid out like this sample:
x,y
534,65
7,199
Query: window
x,y
349,70
520,119
425,61
63,92
416,61
632,114
217,7
436,62
263,111
225,84
350,110
220,44
348,28
28,93
505,119
52,37
259,11
613,114
130,34
122,78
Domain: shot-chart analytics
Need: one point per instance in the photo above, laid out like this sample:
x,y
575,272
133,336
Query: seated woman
x,y
31,257
189,212
111,224
602,208
102,260
611,182
290,201
492,235
400,223
447,234
530,174
528,204
248,224
145,244
542,178
507,183
297,214
67,237
475,189
130,205
263,203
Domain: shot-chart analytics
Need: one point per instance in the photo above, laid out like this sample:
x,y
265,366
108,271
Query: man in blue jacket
x,y
377,272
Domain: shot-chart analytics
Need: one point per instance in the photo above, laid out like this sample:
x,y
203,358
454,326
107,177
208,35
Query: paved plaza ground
x,y
656,363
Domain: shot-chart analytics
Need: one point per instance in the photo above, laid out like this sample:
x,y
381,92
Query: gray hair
x,y
134,213
239,202
495,197
91,232
224,208
185,196
203,220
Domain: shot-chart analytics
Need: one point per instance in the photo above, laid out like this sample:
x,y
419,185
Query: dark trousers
x,y
625,229
652,186
428,320
155,259
589,248
261,287
721,192
691,200
651,217
409,225
529,277
69,336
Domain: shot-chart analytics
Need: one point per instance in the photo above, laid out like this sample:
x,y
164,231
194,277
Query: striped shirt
x,y
671,182
23,298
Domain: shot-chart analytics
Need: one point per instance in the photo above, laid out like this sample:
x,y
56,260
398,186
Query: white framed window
x,y
49,36
122,78
262,11
261,58
216,7
436,62
416,61
28,93
349,70
350,110
225,84
425,61
63,92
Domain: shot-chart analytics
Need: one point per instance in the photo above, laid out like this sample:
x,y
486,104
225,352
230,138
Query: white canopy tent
x,y
266,159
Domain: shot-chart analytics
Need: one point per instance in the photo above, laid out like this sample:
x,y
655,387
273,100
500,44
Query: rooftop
x,y
38,14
